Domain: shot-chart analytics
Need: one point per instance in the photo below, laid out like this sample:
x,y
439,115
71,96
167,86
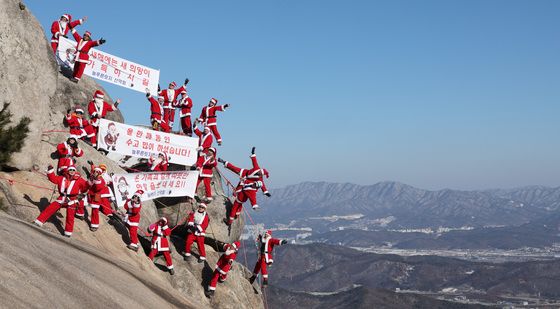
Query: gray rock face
x,y
64,271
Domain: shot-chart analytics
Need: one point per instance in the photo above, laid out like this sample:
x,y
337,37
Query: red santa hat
x,y
213,100
173,84
269,232
203,205
164,156
87,33
163,220
71,167
67,16
138,193
212,149
98,94
79,110
265,172
98,169
236,245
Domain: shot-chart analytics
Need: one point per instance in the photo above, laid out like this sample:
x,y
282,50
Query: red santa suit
x,y
160,243
208,117
250,180
66,154
158,164
224,264
186,105
197,222
99,197
205,138
82,53
98,108
266,246
58,29
170,102
132,218
80,127
156,117
69,188
206,164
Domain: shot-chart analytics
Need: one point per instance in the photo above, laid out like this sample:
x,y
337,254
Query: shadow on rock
x,y
42,204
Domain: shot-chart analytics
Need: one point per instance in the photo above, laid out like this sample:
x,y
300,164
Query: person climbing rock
x,y
160,231
266,246
197,222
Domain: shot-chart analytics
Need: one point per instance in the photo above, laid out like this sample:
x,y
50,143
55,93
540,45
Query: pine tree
x,y
11,138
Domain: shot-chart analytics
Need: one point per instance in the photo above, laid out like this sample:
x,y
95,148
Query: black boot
x,y
252,279
171,271
209,293
265,282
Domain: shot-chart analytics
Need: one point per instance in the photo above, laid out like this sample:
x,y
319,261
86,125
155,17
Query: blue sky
x,y
436,94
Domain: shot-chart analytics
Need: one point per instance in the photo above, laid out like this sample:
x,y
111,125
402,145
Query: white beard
x,y
198,217
98,104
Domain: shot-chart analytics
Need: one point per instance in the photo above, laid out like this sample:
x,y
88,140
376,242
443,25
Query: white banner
x,y
154,185
145,143
110,68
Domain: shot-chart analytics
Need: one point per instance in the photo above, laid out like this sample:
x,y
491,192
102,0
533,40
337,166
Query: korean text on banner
x,y
154,185
145,143
109,68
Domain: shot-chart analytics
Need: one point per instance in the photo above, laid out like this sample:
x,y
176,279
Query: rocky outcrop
x,y
60,272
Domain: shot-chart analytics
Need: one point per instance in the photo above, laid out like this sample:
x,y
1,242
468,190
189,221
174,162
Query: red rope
x,y
12,181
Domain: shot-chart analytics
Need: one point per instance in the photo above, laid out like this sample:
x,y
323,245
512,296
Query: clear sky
x,y
435,94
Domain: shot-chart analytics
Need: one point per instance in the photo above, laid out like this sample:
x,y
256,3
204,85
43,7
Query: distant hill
x,y
320,205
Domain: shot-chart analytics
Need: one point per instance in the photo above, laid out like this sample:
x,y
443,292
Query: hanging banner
x,y
154,185
145,143
109,68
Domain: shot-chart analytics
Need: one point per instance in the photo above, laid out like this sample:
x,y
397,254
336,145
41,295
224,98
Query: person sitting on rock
x,y
61,27
209,118
206,163
80,127
132,207
66,152
156,118
160,243
85,43
266,246
72,188
197,222
250,180
98,109
159,164
99,196
223,266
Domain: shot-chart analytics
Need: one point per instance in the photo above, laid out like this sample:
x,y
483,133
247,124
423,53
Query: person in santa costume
x,y
170,101
71,187
80,127
156,118
206,163
185,104
266,246
223,266
61,27
66,152
208,117
99,197
197,222
98,108
250,180
132,207
159,164
85,43
160,243
205,138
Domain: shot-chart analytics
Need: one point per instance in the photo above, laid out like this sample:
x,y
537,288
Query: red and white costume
x,y
66,156
160,243
250,180
170,102
82,53
205,138
132,218
80,127
158,164
99,197
98,108
197,223
266,246
59,28
206,164
224,264
208,117
186,106
69,189
156,117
